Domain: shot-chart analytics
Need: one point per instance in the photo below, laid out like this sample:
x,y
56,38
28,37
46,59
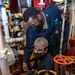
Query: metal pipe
x,y
1,2
72,26
29,3
3,62
41,1
11,40
1,40
62,32
5,22
58,0
19,5
8,1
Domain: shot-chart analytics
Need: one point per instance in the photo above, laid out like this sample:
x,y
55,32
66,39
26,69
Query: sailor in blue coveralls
x,y
47,24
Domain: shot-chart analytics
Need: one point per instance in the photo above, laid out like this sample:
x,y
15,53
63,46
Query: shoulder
x,y
49,56
30,30
51,8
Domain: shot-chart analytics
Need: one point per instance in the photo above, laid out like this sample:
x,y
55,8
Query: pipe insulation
x,y
5,22
3,62
11,40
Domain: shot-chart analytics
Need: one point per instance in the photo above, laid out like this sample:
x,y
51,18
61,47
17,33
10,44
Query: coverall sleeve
x,y
29,46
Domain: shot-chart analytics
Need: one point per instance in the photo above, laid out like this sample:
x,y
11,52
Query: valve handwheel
x,y
47,72
63,60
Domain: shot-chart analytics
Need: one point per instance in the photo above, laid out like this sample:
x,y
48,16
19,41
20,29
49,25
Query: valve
x,y
63,60
16,22
47,72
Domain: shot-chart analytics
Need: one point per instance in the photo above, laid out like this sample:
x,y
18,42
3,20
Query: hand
x,y
25,67
65,15
34,71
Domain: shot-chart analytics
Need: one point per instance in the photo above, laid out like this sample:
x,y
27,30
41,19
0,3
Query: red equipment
x,y
36,4
48,2
13,4
71,50
71,53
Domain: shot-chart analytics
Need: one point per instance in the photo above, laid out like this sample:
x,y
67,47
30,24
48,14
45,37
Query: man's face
x,y
38,52
33,22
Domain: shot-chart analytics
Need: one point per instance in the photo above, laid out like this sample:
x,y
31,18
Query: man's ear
x,y
46,50
39,16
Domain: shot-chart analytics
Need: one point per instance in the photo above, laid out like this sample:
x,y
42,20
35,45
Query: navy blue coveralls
x,y
53,18
44,62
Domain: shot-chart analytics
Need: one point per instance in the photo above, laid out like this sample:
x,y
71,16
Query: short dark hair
x,y
30,12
